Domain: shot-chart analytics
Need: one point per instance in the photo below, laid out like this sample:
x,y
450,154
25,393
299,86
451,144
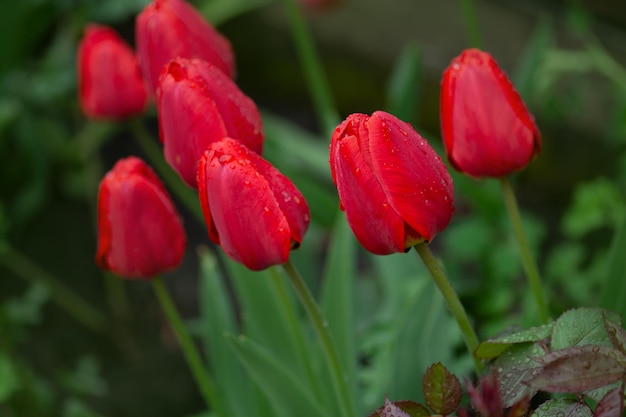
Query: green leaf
x,y
492,348
288,393
403,88
9,381
540,41
337,299
579,368
581,326
596,204
614,286
413,327
562,407
217,319
513,368
442,390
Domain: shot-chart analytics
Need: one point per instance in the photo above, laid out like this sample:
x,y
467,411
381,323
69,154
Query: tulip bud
x,y
199,105
167,29
395,190
140,233
110,84
487,130
252,210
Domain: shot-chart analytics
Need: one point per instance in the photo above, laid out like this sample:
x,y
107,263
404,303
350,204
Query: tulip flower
x,y
395,190
167,29
252,210
110,84
199,105
140,233
487,130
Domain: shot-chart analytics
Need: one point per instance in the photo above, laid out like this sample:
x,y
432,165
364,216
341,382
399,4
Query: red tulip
x,y
393,187
167,29
487,130
252,210
199,105
140,233
109,79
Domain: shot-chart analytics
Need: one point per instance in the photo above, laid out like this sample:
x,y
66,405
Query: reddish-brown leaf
x,y
442,390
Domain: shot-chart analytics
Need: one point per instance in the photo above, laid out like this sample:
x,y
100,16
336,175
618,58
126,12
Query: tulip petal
x,y
186,138
412,176
374,222
198,105
109,77
486,127
166,29
251,226
289,198
139,231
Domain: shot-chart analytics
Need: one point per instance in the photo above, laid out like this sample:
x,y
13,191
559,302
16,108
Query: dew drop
x,y
248,183
266,210
224,159
296,199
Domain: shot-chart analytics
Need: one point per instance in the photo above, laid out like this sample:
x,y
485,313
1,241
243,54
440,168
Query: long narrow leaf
x,y
337,300
614,289
270,318
404,82
288,393
216,320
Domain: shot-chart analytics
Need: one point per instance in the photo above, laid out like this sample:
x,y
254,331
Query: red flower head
x,y
199,105
140,234
167,29
487,130
252,210
110,84
394,188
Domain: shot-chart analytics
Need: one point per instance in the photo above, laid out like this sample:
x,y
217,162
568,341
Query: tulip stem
x,y
155,155
313,71
452,299
67,299
471,23
528,261
200,373
339,377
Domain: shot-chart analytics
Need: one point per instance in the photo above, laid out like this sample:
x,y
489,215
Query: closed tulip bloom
x,y
199,105
110,84
140,233
487,130
253,211
395,190
167,29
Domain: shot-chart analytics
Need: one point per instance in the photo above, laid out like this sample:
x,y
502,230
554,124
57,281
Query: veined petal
x,y
412,176
486,127
289,198
251,226
139,231
374,222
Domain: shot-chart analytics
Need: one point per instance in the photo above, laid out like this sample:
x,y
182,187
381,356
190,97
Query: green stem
x,y
471,23
67,299
296,328
339,378
312,67
452,299
200,373
154,153
528,261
